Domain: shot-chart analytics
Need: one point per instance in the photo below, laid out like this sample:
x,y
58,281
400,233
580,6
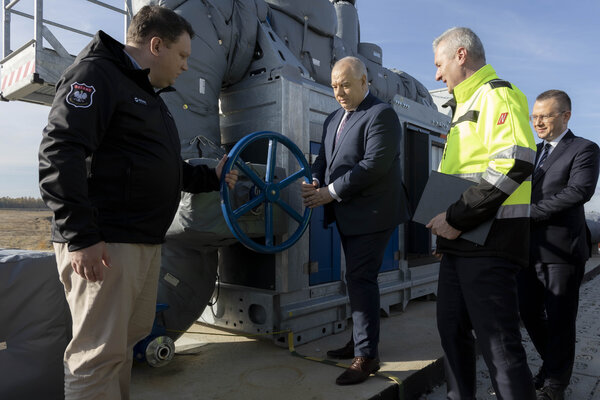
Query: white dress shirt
x,y
553,145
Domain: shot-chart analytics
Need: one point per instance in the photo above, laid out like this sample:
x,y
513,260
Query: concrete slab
x,y
214,364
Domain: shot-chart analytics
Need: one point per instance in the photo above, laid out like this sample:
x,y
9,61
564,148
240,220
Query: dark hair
x,y
158,21
561,97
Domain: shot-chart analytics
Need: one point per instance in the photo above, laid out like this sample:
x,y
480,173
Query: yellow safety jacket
x,y
490,142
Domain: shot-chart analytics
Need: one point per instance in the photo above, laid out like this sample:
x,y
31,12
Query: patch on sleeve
x,y
80,95
502,118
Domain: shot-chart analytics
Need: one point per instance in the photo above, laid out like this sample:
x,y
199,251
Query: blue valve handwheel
x,y
268,192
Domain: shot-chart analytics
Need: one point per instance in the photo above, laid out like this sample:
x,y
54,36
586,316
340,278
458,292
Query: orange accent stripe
x,y
10,80
26,69
18,77
15,76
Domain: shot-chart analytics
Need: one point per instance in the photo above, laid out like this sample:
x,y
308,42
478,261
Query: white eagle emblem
x,y
80,96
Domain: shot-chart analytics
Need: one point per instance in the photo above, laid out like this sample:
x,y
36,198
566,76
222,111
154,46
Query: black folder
x,y
440,192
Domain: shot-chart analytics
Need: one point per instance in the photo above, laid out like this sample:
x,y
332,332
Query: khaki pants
x,y
109,318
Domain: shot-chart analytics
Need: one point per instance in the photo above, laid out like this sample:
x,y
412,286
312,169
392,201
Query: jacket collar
x,y
366,103
103,46
556,153
464,90
357,114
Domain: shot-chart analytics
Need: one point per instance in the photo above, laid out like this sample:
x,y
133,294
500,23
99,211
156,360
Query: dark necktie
x,y
542,158
342,125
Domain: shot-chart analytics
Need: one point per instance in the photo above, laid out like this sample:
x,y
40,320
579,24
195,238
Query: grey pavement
x,y
585,382
214,364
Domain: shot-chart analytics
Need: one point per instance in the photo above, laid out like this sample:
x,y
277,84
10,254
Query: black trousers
x,y
480,294
364,255
548,302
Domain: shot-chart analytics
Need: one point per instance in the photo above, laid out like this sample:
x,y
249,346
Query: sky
x,y
536,45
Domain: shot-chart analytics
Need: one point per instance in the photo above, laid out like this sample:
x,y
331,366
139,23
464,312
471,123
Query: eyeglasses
x,y
544,117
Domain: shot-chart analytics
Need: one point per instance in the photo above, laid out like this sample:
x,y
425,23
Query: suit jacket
x,y
364,168
565,182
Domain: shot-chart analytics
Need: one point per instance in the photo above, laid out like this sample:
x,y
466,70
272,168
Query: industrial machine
x,y
258,88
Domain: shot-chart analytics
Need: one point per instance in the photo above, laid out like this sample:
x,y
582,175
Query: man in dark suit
x,y
564,179
357,176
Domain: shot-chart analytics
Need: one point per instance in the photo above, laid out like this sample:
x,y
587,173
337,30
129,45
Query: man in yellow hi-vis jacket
x,y
490,142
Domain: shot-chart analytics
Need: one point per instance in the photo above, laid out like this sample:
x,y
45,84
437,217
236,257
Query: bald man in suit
x,y
357,176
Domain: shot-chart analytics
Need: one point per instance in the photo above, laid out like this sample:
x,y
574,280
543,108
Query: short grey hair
x,y
356,65
457,37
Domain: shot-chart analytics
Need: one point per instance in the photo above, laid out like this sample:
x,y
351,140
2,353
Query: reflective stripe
x,y
467,108
516,153
469,116
473,176
477,176
499,180
513,211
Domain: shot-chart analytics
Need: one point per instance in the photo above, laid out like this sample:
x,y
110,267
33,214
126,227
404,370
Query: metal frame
x,y
48,63
280,98
297,108
39,20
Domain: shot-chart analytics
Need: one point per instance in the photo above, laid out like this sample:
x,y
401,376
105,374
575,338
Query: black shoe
x,y
550,393
343,353
539,379
359,371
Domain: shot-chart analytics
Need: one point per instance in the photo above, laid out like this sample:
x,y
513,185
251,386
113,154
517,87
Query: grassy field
x,y
25,229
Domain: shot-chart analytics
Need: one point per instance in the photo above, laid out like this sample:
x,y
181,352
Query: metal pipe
x,y
102,4
127,18
11,4
6,25
38,20
47,22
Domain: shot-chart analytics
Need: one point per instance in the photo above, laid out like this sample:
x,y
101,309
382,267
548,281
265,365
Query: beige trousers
x,y
109,318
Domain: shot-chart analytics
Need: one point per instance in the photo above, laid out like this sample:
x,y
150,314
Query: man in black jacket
x,y
111,171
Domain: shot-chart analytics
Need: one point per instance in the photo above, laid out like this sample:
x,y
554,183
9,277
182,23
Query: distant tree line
x,y
21,202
